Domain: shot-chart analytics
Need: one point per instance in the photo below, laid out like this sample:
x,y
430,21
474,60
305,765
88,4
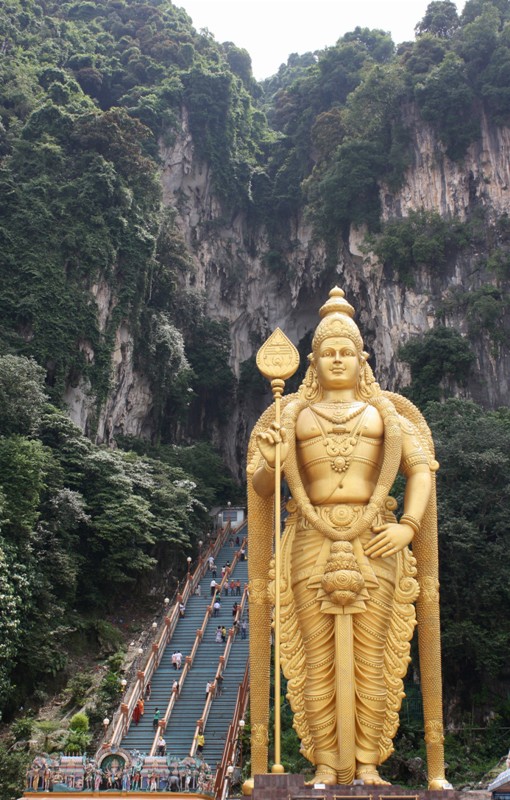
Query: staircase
x,y
190,704
222,709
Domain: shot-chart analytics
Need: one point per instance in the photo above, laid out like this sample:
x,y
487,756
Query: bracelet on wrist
x,y
268,468
407,519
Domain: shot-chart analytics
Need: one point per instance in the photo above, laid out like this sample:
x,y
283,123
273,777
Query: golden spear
x,y
277,360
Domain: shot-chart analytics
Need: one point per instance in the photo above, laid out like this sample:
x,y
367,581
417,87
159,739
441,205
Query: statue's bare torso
x,y
319,438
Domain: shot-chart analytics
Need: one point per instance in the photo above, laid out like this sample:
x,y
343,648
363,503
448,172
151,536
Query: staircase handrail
x,y
222,663
124,715
163,722
233,733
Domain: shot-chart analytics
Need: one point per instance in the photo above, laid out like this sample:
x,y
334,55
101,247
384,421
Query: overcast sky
x,y
270,30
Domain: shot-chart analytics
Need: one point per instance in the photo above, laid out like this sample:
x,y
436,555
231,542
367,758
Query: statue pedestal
x,y
292,787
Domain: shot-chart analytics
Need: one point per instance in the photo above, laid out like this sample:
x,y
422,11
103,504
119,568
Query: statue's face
x,y
337,363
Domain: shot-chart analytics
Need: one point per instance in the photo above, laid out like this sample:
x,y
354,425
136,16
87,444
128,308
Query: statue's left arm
x,y
393,537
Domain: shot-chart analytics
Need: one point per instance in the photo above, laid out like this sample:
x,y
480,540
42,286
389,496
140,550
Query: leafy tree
x,y
473,448
478,42
239,61
446,100
423,238
78,737
347,191
208,350
328,132
495,82
475,8
487,309
426,53
14,766
21,395
438,359
441,19
378,43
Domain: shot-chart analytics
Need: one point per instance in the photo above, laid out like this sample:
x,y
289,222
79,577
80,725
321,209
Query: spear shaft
x,y
277,360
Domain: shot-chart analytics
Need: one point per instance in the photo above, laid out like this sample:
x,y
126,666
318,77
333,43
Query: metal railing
x,y
122,719
222,663
222,780
163,722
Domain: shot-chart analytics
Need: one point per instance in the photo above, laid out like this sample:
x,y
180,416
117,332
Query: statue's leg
x,y
318,634
370,632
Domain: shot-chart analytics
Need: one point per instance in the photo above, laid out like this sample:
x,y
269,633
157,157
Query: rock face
x,y
128,406
452,188
388,312
238,285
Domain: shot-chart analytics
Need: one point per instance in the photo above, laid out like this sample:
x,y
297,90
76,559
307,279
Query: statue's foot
x,y
323,774
438,784
369,775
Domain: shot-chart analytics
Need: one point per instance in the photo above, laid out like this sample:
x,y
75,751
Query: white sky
x,y
270,30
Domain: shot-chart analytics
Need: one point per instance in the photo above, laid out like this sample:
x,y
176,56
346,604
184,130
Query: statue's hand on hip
x,y
390,539
267,442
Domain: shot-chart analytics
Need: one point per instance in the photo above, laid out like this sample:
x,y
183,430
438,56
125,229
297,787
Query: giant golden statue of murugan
x,y
348,580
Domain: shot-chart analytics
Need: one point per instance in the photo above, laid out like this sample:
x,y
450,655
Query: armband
x,y
413,460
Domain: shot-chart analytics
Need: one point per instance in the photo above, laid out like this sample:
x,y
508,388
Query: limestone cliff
x,y
238,285
231,271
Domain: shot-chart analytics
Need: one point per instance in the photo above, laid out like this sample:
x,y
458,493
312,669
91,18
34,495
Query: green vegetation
x,y
79,524
485,310
439,361
93,96
78,737
344,113
421,239
90,92
473,449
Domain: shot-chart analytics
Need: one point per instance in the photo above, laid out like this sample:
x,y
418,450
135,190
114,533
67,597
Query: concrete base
x,y
292,787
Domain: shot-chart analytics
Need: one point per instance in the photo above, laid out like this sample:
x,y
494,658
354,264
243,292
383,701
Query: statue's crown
x,y
336,304
337,320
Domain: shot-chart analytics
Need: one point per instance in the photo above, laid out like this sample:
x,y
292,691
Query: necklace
x,y
338,418
340,448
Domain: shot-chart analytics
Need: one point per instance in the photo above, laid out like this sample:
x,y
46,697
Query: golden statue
x,y
348,579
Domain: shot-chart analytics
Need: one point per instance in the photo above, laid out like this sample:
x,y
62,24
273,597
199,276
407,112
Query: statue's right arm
x,y
264,475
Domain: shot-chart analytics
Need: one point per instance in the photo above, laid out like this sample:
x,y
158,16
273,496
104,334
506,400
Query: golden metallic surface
x,y
277,358
430,590
259,734
258,591
434,732
345,582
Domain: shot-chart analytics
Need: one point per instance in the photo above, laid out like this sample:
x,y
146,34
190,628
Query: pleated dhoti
x,y
369,634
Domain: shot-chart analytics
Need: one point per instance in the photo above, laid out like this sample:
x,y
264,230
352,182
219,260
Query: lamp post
x,y
166,602
242,723
154,627
123,685
200,544
189,565
106,722
139,654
